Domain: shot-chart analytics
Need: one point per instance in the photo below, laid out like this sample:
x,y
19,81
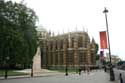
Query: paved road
x,y
93,77
117,72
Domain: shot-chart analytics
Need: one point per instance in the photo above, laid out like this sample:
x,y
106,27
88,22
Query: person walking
x,y
84,68
88,69
120,77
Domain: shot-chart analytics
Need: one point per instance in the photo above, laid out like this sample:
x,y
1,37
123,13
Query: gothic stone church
x,y
73,49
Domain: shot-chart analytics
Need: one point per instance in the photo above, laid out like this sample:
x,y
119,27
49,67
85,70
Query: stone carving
x,y
37,61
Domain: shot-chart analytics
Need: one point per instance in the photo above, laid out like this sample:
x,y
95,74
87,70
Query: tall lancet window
x,y
56,43
72,42
61,44
80,41
67,43
69,40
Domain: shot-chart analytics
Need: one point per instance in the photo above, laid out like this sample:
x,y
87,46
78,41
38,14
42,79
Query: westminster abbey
x,y
73,49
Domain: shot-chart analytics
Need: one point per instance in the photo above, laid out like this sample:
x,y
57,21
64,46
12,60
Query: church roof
x,y
41,28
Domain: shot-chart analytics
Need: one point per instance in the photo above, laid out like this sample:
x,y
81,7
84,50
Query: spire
x,y
53,34
49,32
93,40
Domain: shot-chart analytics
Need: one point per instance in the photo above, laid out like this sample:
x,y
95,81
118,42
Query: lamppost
x,y
32,69
112,77
66,69
79,65
6,68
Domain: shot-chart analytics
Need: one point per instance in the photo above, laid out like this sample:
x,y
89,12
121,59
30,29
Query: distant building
x,y
42,33
115,59
73,49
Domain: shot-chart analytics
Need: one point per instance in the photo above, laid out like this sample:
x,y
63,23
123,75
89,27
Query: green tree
x,y
97,56
18,39
97,48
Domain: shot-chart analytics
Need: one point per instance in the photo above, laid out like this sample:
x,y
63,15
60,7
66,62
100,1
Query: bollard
x,y
84,69
79,71
6,74
66,72
120,77
32,72
105,69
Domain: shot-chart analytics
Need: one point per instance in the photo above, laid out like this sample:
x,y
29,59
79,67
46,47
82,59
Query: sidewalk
x,y
93,77
43,73
35,75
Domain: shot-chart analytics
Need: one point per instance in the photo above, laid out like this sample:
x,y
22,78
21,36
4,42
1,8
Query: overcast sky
x,y
59,15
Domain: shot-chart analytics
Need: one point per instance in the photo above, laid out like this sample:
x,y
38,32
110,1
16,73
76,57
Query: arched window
x,y
72,42
51,45
86,42
80,42
56,43
67,43
61,44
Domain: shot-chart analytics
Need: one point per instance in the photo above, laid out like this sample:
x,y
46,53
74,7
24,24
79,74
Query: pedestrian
x,y
79,71
96,68
84,68
105,69
120,77
88,69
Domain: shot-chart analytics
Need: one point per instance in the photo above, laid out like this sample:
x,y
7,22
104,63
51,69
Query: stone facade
x,y
73,49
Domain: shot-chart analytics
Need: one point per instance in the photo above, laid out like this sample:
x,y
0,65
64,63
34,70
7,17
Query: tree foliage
x,y
18,39
97,48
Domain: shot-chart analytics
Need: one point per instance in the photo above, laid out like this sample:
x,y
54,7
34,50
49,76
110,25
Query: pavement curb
x,y
35,76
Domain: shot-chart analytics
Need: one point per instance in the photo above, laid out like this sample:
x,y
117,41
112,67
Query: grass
x,y
11,73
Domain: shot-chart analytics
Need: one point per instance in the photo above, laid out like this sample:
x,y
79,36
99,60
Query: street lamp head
x,y
105,11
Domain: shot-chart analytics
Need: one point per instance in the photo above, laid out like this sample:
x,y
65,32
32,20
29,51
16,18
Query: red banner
x,y
103,40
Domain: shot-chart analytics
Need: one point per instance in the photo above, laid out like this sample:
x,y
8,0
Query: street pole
x,y
79,66
32,69
6,67
6,70
112,77
66,69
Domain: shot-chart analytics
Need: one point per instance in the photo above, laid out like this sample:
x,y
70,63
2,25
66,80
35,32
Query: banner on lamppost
x,y
102,56
103,40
